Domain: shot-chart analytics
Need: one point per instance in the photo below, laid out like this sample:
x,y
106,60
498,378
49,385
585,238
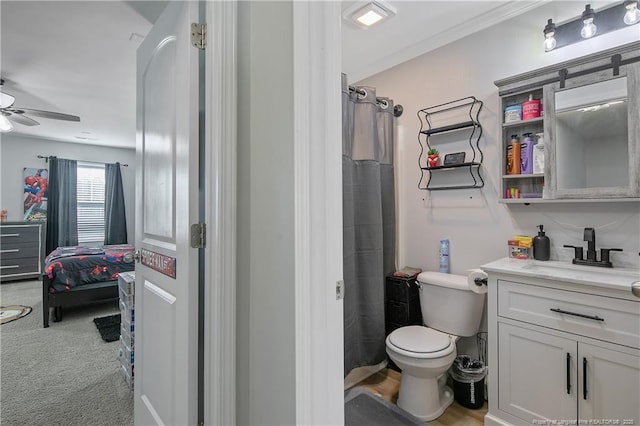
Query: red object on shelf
x,y
433,160
531,109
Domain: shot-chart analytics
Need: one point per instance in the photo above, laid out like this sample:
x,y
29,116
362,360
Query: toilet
x,y
451,308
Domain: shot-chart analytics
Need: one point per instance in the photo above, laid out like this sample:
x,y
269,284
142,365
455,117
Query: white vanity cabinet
x,y
563,349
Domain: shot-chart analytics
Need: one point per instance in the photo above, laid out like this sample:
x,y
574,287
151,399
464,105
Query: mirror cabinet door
x,y
591,129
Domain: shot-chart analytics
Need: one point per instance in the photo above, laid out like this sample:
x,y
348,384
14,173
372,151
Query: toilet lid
x,y
419,339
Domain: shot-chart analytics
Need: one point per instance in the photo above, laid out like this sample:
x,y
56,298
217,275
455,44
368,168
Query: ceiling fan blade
x,y
50,114
6,100
19,118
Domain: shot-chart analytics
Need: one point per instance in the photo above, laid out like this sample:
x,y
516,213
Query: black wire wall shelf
x,y
469,107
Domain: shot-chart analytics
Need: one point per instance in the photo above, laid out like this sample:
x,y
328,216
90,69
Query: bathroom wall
x,y
18,152
477,226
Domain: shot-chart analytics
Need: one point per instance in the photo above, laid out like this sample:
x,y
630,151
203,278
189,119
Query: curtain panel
x,y
368,221
62,204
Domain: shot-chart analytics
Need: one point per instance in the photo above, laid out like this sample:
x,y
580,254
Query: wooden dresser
x,y
21,250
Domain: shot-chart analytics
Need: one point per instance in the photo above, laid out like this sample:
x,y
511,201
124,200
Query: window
x,y
90,203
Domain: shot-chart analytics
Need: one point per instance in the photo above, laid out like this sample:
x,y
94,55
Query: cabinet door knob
x,y
635,288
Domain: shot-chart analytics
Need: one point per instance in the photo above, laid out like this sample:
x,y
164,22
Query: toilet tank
x,y
449,305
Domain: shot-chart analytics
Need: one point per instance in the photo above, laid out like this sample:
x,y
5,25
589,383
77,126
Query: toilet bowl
x,y
425,353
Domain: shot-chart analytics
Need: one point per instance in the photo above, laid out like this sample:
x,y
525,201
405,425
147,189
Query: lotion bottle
x,y
541,246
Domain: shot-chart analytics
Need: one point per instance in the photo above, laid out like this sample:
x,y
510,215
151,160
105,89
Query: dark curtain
x,y
115,221
368,221
62,204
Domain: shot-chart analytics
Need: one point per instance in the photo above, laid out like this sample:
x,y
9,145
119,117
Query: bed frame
x,y
87,293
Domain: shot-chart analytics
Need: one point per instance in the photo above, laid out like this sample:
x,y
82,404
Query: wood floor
x,y
386,384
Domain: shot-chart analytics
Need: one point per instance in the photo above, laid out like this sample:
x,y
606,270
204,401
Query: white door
x,y
536,374
609,383
166,335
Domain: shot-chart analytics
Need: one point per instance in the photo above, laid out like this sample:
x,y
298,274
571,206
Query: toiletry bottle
x,y
541,246
444,256
513,156
538,154
526,154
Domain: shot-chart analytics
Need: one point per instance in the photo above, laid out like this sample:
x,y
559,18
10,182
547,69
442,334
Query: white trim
x,y
318,213
220,253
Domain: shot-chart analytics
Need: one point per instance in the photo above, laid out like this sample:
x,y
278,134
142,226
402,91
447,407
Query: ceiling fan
x,y
10,113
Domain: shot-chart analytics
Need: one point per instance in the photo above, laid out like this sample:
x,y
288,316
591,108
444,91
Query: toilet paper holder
x,y
480,281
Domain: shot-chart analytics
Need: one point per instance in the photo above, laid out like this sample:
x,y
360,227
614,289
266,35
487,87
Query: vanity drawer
x,y
598,317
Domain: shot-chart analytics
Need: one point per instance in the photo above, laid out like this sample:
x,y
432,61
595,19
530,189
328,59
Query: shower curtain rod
x,y
46,160
397,109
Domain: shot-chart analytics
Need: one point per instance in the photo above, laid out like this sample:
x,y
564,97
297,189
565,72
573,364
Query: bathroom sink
x,y
620,278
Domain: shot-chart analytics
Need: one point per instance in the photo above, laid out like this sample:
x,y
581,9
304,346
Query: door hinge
x,y
339,290
198,235
199,35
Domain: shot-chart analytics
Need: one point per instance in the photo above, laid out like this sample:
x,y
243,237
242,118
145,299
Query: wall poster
x,y
35,193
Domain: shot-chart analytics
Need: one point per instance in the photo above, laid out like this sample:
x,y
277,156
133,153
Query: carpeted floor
x,y
62,375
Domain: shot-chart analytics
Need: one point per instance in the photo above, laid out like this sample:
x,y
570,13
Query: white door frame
x,y
319,353
220,216
318,336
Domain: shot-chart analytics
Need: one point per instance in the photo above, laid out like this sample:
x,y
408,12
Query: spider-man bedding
x,y
79,275
69,267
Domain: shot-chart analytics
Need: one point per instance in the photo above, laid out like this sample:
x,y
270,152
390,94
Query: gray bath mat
x,y
363,408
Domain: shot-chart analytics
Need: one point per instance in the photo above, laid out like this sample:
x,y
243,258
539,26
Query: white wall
x,y
18,152
477,226
265,277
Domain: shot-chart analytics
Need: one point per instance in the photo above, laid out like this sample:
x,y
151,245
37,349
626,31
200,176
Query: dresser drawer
x,y
10,234
598,317
17,267
18,250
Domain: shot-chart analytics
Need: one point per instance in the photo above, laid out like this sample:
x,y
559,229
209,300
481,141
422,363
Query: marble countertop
x,y
614,278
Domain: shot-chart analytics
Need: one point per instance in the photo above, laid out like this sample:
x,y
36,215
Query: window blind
x,y
90,203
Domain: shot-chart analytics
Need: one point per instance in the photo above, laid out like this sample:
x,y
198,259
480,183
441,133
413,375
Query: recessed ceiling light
x,y
366,14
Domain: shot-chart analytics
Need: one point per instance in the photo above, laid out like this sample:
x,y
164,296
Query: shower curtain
x,y
368,221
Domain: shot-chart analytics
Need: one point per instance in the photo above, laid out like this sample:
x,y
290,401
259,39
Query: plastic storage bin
x,y
468,381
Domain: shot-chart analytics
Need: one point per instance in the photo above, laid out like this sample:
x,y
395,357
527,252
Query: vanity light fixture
x,y
591,24
549,36
632,15
367,14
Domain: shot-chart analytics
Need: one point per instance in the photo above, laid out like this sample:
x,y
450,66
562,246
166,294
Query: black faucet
x,y
592,257
590,238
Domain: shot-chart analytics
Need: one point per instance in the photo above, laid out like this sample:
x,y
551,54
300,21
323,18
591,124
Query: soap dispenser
x,y
541,246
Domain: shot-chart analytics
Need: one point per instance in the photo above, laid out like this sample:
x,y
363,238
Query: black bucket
x,y
468,381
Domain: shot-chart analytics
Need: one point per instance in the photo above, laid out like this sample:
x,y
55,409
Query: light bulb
x,y
549,42
5,124
549,36
588,29
632,16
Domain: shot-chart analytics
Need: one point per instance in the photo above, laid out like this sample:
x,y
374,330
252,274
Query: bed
x,y
78,275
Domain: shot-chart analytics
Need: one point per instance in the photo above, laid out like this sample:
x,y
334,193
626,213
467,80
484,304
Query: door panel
x,y
613,384
166,374
532,374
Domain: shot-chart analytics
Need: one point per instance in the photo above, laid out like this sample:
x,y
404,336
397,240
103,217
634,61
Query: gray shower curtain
x,y
115,220
62,204
368,221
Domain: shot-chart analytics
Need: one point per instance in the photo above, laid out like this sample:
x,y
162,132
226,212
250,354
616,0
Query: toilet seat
x,y
421,342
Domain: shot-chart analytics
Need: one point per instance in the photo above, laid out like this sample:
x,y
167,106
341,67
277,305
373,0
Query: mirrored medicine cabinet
x,y
591,125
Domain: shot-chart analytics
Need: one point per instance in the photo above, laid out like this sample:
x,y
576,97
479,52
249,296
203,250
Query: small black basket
x,y
468,381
